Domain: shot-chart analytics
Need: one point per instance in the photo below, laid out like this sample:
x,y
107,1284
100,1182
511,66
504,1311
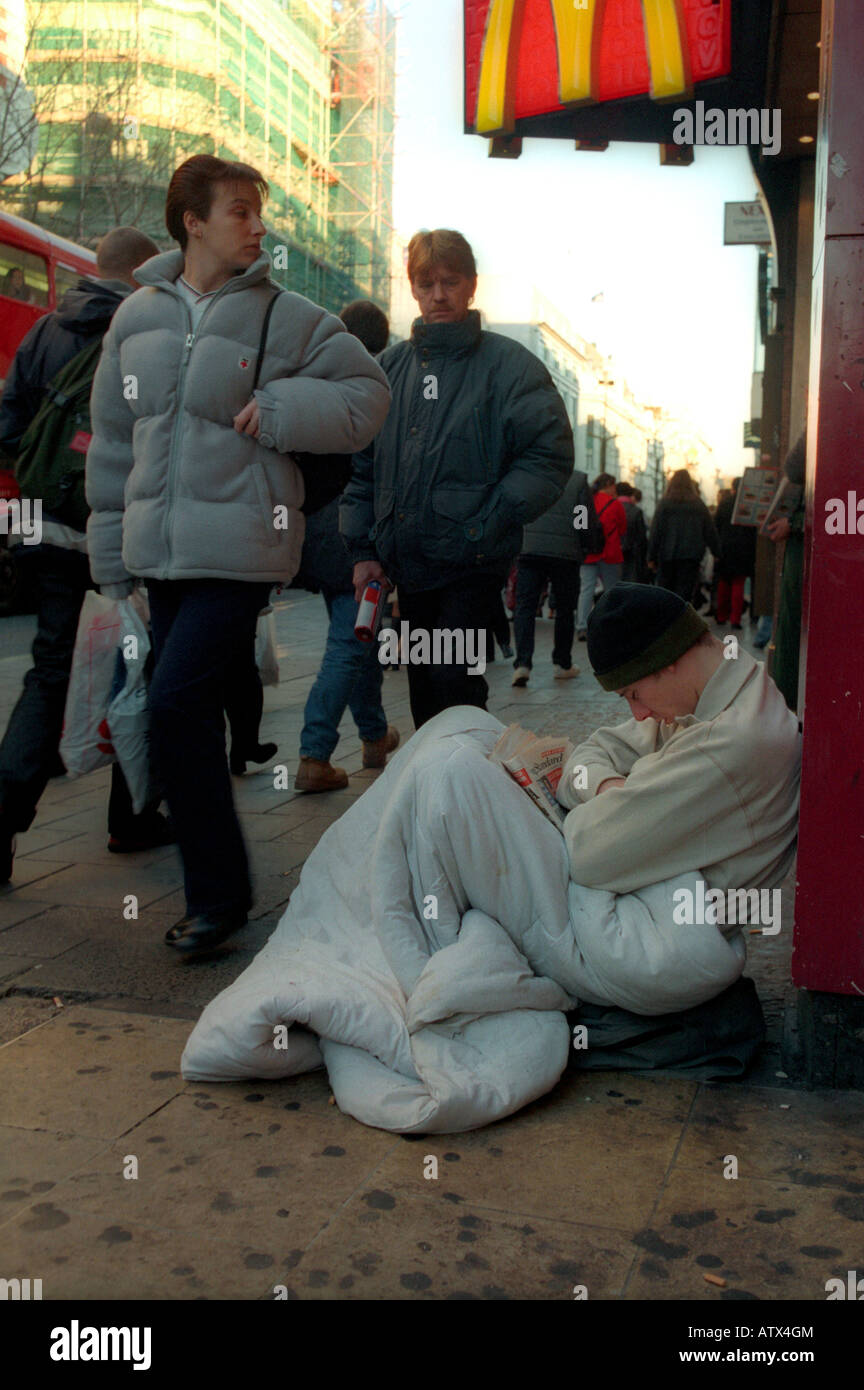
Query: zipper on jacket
x,y
178,422
172,448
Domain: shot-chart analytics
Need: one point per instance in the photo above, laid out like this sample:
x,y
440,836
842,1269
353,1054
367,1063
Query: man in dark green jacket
x,y
477,444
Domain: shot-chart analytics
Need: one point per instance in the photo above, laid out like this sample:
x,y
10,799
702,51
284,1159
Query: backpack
x,y
592,539
53,450
325,476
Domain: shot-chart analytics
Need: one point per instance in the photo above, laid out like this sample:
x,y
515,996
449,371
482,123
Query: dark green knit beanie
x,y
636,630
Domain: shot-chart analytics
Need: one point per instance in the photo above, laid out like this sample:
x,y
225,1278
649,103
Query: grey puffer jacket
x,y
476,445
175,492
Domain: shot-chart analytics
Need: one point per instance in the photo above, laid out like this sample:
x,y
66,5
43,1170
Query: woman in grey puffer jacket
x,y
192,488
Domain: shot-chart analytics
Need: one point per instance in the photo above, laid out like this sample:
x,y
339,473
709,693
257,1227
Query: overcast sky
x,y
678,307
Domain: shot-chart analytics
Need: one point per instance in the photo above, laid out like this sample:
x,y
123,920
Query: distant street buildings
x,y
302,89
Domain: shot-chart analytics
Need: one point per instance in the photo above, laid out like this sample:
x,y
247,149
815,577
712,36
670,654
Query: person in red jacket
x,y
606,565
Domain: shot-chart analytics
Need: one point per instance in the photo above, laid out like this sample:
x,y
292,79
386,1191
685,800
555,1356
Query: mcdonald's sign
x,y
613,69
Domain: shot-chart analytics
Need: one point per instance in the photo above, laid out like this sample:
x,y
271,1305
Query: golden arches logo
x,y
578,26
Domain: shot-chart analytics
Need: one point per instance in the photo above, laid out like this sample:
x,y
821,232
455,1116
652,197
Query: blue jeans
x,y
351,675
608,575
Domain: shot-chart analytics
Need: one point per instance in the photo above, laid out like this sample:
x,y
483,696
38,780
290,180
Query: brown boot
x,y
376,750
313,775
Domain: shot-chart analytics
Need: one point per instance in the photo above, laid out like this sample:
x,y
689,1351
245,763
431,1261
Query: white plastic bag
x,y
706,568
101,722
128,717
265,648
92,676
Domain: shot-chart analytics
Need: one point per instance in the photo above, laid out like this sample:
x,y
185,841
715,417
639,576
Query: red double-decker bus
x,y
36,269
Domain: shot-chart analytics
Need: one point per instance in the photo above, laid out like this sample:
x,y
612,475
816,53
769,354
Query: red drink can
x,y
370,611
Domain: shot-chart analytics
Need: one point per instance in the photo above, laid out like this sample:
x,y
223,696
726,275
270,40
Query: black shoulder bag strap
x,y
324,475
263,341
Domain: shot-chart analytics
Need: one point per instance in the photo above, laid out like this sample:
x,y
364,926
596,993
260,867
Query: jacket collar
x,y
451,339
725,685
162,271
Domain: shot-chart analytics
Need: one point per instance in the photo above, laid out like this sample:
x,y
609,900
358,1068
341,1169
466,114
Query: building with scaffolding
x,y
125,90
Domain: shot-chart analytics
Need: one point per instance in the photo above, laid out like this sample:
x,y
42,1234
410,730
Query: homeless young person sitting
x,y
442,927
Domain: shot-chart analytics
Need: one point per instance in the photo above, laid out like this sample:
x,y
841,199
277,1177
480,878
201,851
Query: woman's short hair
x,y
603,480
441,247
681,488
193,184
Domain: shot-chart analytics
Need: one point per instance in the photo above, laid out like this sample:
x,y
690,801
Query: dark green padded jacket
x,y
477,443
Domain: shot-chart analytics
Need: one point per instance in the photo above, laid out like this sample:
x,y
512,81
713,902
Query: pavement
x,y
117,1180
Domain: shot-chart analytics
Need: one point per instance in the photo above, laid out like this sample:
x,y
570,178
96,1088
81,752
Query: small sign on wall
x,y
745,224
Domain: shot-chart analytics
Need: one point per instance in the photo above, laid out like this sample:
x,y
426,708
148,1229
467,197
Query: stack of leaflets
x,y
536,764
783,503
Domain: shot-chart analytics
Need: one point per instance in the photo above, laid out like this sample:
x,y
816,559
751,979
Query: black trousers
x,y
680,576
499,627
466,603
564,576
201,628
28,753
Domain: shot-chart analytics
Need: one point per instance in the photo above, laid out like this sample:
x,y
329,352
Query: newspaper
x,y
536,764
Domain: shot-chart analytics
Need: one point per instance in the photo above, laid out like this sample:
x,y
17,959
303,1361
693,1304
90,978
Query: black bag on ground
x,y
708,1042
325,476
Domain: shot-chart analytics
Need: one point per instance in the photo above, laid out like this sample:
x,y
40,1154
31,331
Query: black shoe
x,y
192,935
261,753
737,627
156,831
582,635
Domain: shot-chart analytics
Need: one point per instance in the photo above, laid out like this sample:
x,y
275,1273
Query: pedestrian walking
x,y
550,551
736,563
350,675
29,751
244,706
477,444
681,531
605,564
193,487
634,546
